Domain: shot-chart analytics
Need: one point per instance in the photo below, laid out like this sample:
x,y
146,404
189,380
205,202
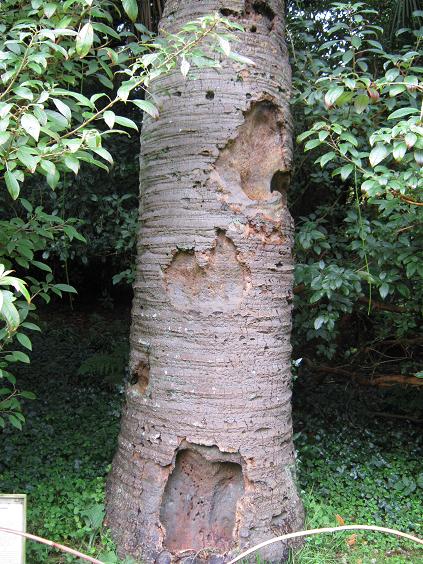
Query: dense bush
x,y
357,190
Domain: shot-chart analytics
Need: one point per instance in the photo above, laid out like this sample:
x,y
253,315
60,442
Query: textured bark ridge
x,y
205,456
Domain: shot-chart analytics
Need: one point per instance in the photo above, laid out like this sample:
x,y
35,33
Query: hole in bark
x,y
226,12
279,521
177,93
217,285
199,503
142,375
250,161
280,181
253,29
209,94
260,8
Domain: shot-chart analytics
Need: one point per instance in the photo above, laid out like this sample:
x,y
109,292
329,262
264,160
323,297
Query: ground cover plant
x,y
353,466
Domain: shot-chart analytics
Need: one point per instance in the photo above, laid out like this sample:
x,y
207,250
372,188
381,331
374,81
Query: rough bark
x,y
205,458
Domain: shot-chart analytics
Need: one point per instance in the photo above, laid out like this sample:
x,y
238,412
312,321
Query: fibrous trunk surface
x,y
205,456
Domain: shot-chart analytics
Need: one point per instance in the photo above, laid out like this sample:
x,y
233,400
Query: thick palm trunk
x,y
205,457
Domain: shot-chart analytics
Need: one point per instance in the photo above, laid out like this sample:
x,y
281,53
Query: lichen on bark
x,y
211,315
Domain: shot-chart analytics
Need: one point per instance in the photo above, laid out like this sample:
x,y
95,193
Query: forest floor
x,y
357,463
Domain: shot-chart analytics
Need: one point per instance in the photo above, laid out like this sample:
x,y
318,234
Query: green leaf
x,y
41,265
131,9
410,140
399,151
318,322
27,205
403,112
27,159
4,137
312,144
72,164
49,9
53,179
225,45
21,357
125,122
28,395
109,118
397,89
126,89
48,166
72,233
147,107
30,326
418,157
185,66
12,184
63,108
24,341
332,95
5,109
324,159
361,103
84,40
9,312
65,288
31,125
104,153
346,171
384,290
107,30
377,154
24,93
392,74
15,422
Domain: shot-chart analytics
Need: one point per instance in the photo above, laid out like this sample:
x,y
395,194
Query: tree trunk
x,y
205,459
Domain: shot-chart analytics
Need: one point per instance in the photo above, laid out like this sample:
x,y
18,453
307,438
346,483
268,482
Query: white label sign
x,y
12,516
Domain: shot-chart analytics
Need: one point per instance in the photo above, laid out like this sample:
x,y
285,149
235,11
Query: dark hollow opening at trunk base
x,y
199,503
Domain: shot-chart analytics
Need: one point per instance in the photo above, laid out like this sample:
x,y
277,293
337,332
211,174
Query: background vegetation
x,y
68,214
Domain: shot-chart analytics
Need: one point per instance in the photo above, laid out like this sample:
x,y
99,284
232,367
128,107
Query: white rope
x,y
327,530
52,544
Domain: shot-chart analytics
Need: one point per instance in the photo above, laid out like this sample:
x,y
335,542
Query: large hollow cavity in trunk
x,y
199,503
209,282
251,161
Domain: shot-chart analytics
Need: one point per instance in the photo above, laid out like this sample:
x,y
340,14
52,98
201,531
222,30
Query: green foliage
x,y
73,424
357,467
108,365
359,109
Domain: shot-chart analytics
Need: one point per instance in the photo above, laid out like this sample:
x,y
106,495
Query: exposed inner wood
x,y
199,503
256,159
209,282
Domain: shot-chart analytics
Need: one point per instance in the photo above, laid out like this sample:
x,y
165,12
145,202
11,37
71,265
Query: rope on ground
x,y
288,536
311,532
52,544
